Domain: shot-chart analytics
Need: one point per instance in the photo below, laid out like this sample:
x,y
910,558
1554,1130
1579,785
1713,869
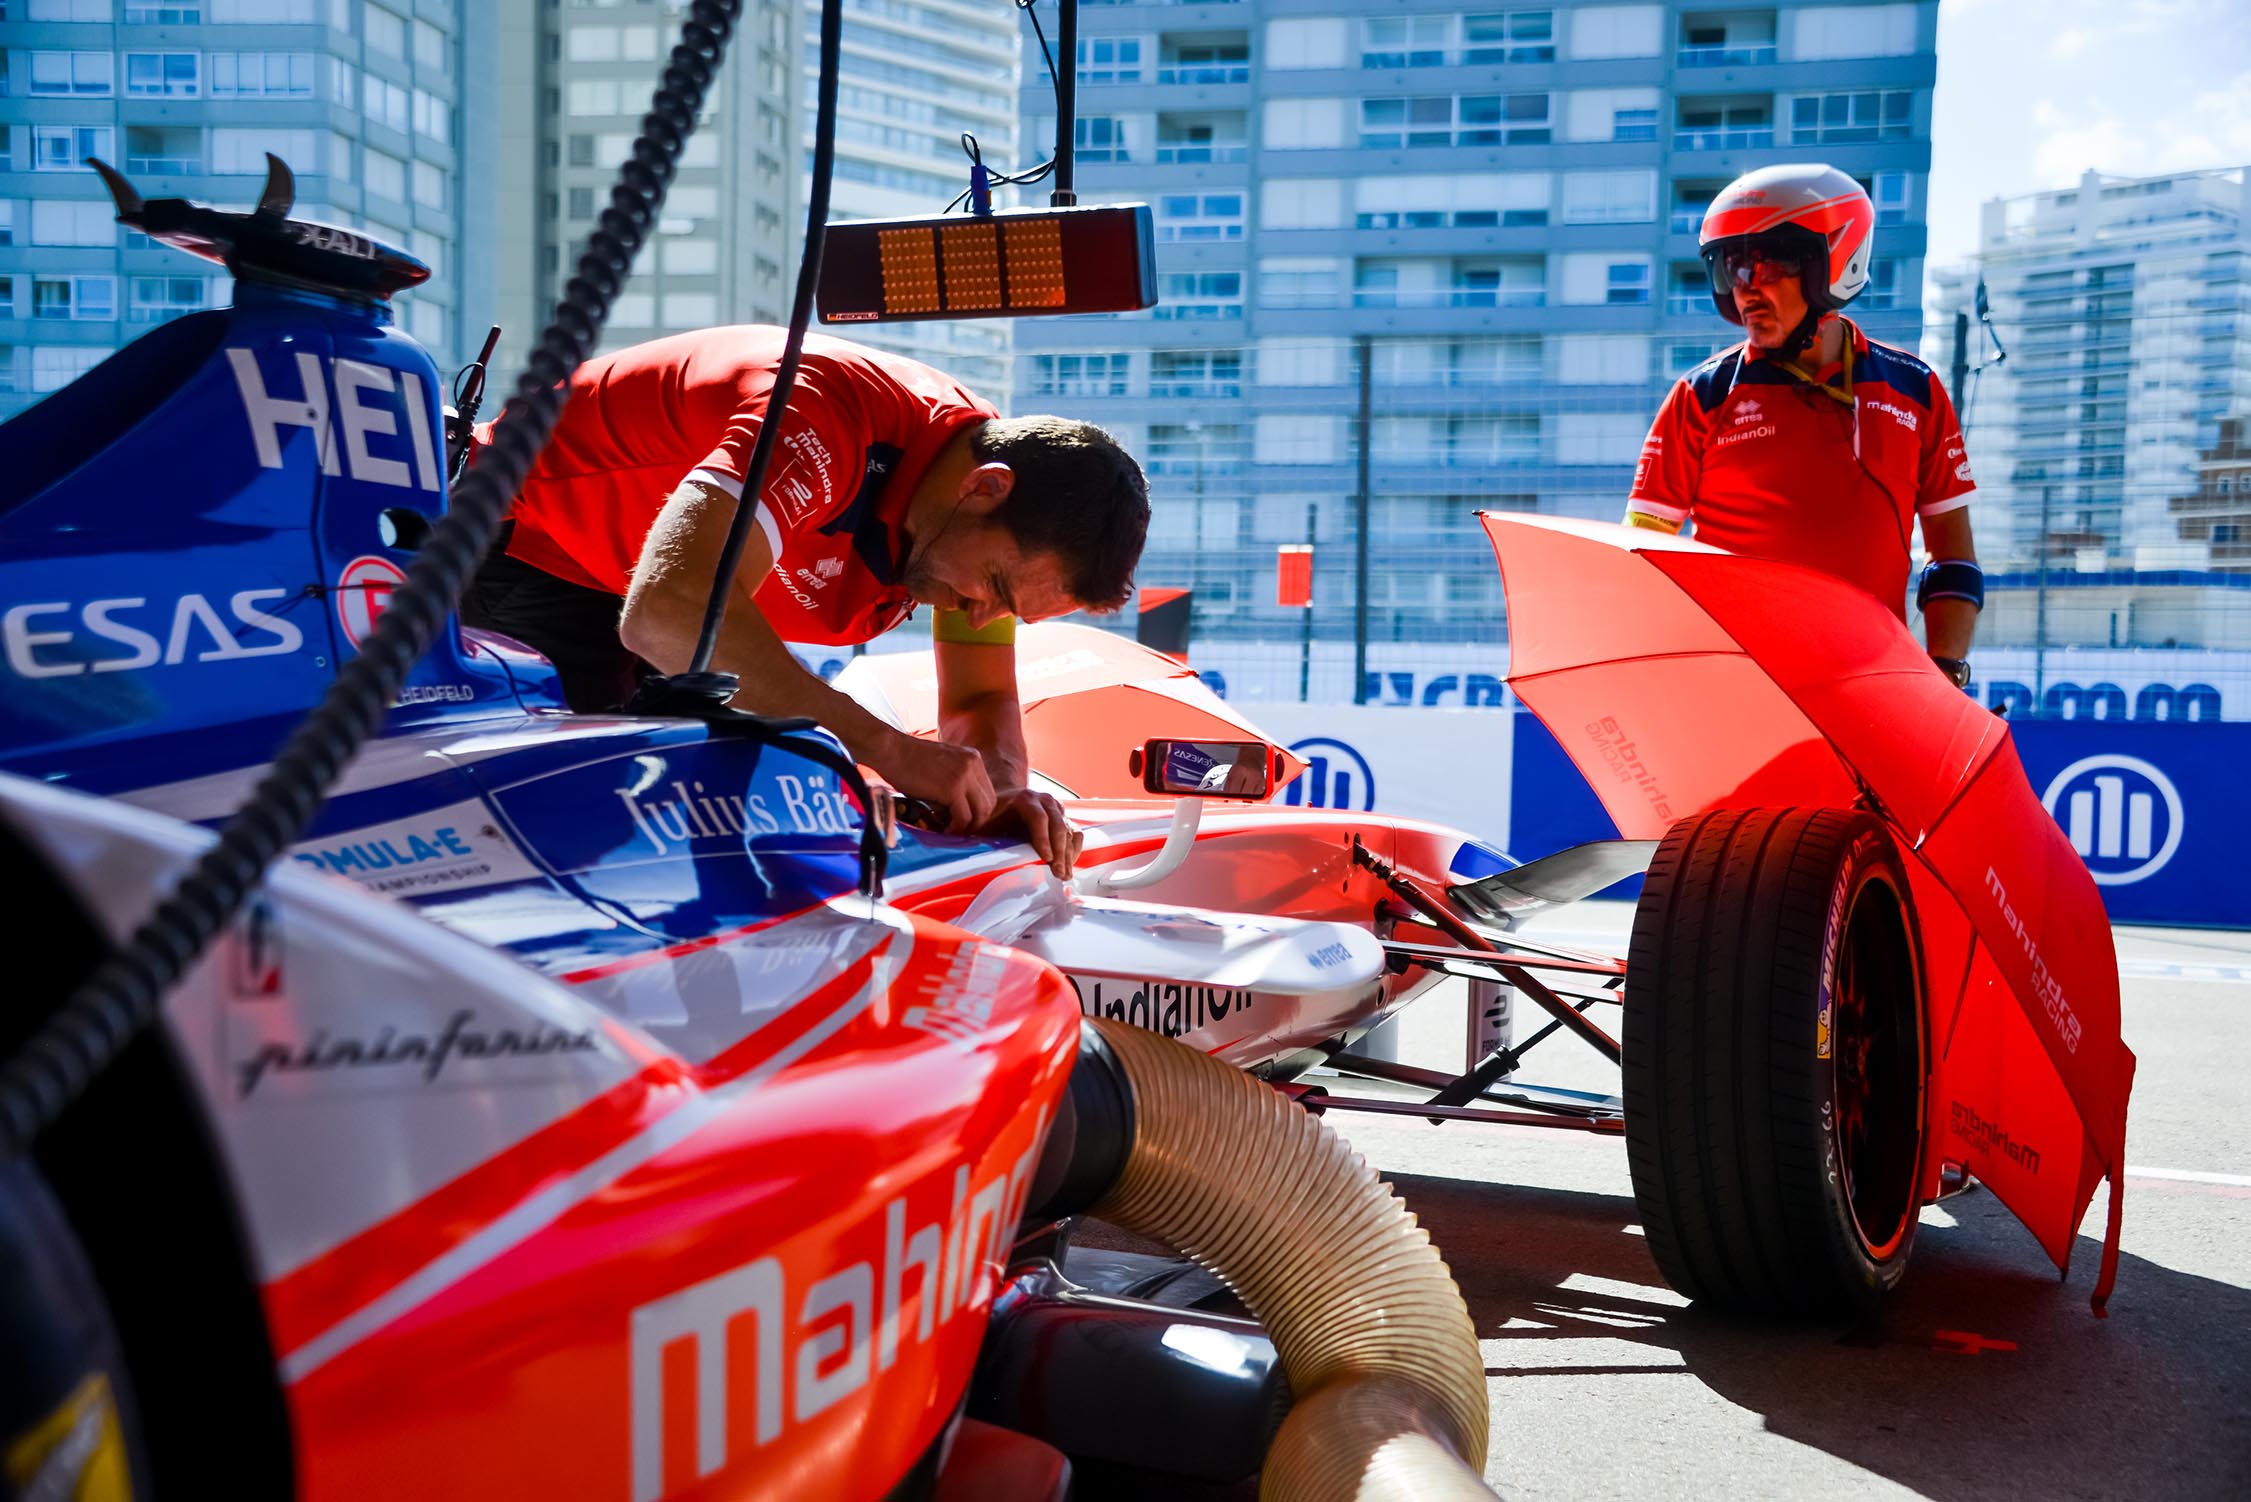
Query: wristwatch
x,y
1956,668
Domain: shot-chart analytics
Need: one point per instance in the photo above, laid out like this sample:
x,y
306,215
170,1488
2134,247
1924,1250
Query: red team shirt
x,y
862,428
1768,466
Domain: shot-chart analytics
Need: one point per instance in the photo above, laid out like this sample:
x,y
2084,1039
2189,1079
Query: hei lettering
x,y
40,643
366,406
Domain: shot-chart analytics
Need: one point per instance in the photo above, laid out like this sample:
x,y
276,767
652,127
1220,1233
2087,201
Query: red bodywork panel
x,y
1705,680
768,1276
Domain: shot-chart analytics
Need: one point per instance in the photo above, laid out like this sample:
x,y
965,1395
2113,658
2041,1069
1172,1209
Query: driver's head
x,y
1028,516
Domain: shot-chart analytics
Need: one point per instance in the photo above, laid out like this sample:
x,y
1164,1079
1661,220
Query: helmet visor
x,y
1755,261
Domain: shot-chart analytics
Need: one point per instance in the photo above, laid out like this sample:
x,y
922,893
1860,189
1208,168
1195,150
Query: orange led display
x,y
1035,263
971,251
909,259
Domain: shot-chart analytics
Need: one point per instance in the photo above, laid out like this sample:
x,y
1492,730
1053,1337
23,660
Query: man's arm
x,y
664,611
1663,497
1949,625
978,707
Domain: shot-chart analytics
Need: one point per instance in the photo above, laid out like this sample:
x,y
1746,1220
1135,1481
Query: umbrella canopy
x,y
1679,678
1089,699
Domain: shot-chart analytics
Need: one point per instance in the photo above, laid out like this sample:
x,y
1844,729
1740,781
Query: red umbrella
x,y
1679,679
1089,698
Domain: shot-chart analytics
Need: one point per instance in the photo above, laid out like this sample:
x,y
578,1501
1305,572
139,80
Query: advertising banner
x,y
2153,809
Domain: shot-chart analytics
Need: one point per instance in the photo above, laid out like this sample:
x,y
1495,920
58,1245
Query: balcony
x,y
1205,73
164,166
1724,138
1450,297
1688,302
1202,386
1748,56
1196,312
1687,221
1203,151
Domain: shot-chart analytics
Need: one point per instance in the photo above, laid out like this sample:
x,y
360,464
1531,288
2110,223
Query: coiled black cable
x,y
40,1080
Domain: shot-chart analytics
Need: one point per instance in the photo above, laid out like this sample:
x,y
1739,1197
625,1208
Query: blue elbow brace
x,y
1951,579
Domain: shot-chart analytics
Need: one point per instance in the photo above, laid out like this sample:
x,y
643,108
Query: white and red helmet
x,y
1806,212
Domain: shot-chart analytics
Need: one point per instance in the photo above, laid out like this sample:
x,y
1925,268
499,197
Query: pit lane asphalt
x,y
1988,1378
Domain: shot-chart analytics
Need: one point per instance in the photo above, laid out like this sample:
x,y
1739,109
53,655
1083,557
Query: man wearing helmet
x,y
1809,442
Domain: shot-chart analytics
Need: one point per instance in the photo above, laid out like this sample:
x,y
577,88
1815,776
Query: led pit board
x,y
1014,264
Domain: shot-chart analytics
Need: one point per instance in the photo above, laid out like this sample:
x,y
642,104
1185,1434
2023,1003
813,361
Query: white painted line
x,y
2189,1176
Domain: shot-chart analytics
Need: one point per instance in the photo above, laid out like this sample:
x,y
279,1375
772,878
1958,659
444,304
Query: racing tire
x,y
1775,1061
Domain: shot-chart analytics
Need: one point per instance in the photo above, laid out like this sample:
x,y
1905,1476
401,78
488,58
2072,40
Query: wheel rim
x,y
1876,1043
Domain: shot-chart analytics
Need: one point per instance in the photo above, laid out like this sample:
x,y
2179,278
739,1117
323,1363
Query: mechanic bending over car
x,y
891,486
1782,447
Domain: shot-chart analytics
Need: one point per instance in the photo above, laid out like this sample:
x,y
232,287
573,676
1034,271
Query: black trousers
x,y
570,625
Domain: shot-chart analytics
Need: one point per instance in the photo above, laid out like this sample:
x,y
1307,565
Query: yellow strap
x,y
1653,523
953,626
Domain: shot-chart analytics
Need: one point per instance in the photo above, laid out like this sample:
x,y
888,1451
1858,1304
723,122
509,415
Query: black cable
x,y
55,1065
1066,102
793,348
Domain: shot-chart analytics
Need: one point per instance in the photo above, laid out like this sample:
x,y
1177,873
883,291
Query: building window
x,y
1101,138
1890,191
1200,216
68,10
343,83
1609,197
581,151
385,174
239,150
429,185
581,203
1870,115
1628,283
163,75
387,103
690,310
65,148
1405,41
1424,121
1109,60
385,33
56,366
80,74
1882,290
189,14
86,298
1196,373
1200,295
1503,120
157,298
340,156
266,75
429,47
1299,281
73,221
1516,36
1080,375
433,117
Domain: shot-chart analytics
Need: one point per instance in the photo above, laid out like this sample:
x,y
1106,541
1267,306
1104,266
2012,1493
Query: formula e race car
x,y
630,1106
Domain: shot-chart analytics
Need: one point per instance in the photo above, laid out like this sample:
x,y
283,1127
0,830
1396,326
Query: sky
x,y
2033,92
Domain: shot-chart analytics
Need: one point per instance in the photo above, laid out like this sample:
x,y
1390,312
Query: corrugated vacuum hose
x,y
1377,1343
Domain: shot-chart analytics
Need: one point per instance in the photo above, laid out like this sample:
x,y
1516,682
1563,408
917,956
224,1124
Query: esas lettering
x,y
56,639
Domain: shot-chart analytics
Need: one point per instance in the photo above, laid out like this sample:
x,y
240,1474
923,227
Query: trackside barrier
x,y
2158,811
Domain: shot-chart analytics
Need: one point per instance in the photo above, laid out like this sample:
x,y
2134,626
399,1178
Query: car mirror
x,y
1205,769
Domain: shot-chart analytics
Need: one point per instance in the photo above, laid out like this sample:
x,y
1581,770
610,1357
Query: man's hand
x,y
951,777
1041,818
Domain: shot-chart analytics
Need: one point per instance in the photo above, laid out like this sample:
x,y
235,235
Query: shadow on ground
x,y
2150,1402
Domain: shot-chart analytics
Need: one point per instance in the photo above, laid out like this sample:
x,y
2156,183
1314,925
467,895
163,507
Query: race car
x,y
596,1144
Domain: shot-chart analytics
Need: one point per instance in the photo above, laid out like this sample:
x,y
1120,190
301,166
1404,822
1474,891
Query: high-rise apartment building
x,y
573,81
2125,307
368,103
1501,203
916,76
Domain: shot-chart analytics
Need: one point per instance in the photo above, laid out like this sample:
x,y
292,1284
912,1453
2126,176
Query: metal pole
x,y
1961,373
1305,641
1066,101
1196,543
1360,509
2040,610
